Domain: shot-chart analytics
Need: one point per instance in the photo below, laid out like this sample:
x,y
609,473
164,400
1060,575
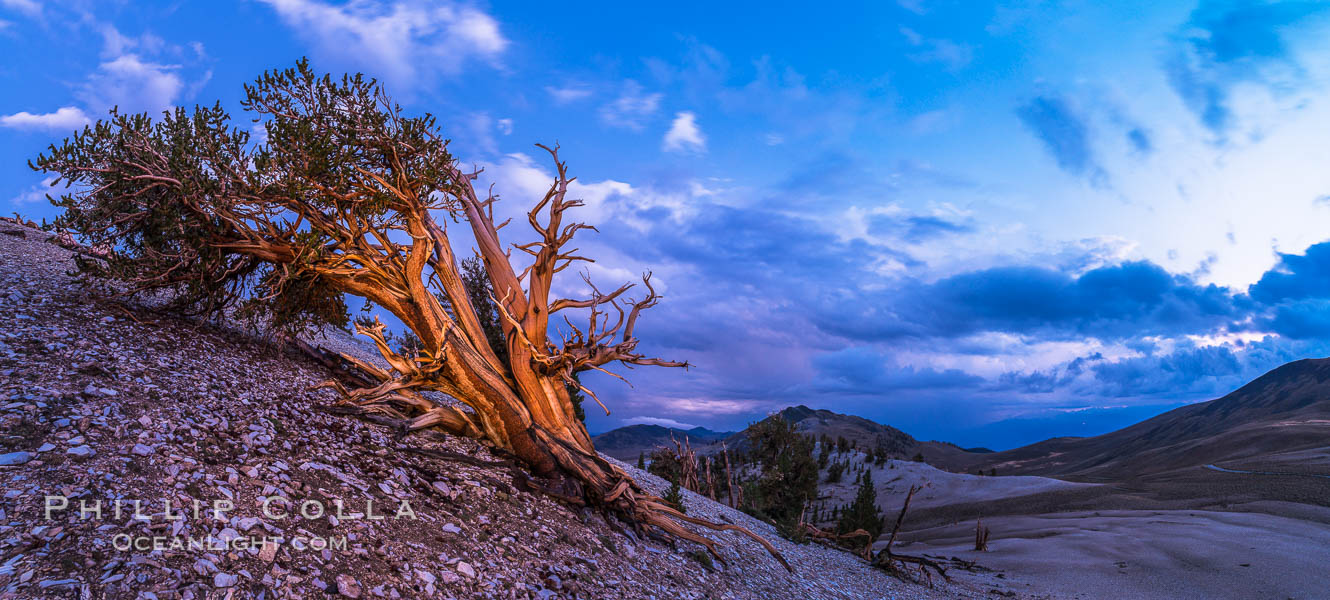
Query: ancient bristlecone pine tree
x,y
346,195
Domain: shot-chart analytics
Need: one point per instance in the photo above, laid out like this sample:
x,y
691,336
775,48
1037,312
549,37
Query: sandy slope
x,y
940,488
1149,554
1279,550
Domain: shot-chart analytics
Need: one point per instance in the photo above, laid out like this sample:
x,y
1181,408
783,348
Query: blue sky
x,y
986,223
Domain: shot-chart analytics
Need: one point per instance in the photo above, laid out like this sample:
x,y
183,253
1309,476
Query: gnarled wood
x,y
348,196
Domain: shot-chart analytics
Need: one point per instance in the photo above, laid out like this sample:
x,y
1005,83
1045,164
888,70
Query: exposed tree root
x,y
827,538
592,473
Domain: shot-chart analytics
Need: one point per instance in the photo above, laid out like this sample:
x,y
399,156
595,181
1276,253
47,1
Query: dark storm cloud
x,y
1116,302
1295,294
1296,277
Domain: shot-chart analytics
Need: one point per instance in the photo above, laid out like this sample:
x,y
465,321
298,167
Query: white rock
x,y
83,451
224,580
142,450
466,569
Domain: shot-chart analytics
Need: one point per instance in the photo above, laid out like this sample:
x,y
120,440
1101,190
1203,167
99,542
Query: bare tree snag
x,y
348,196
708,463
735,500
688,468
980,536
895,563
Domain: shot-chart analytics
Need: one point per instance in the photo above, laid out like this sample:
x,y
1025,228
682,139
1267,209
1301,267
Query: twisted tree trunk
x,y
341,199
523,407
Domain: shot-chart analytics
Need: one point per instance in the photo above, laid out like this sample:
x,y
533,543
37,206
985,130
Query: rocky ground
x,y
104,406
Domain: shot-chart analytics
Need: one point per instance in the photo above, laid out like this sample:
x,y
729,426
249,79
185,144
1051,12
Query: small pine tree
x,y
863,512
674,498
642,460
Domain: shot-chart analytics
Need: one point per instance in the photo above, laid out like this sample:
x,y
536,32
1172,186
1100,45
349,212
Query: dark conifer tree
x,y
863,513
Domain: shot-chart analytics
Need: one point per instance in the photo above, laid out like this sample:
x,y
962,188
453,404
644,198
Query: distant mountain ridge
x,y
866,434
626,443
1282,411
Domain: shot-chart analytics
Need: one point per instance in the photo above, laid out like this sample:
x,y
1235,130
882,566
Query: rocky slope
x,y
105,406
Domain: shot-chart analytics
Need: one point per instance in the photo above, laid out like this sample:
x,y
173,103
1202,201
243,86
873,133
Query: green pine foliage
x,y
674,497
665,464
863,513
788,473
834,472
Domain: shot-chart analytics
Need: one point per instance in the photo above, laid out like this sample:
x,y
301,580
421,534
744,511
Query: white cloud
x,y
133,85
950,54
116,44
404,43
684,135
479,128
911,36
658,421
28,7
710,406
65,119
631,109
124,79
520,179
37,193
565,95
